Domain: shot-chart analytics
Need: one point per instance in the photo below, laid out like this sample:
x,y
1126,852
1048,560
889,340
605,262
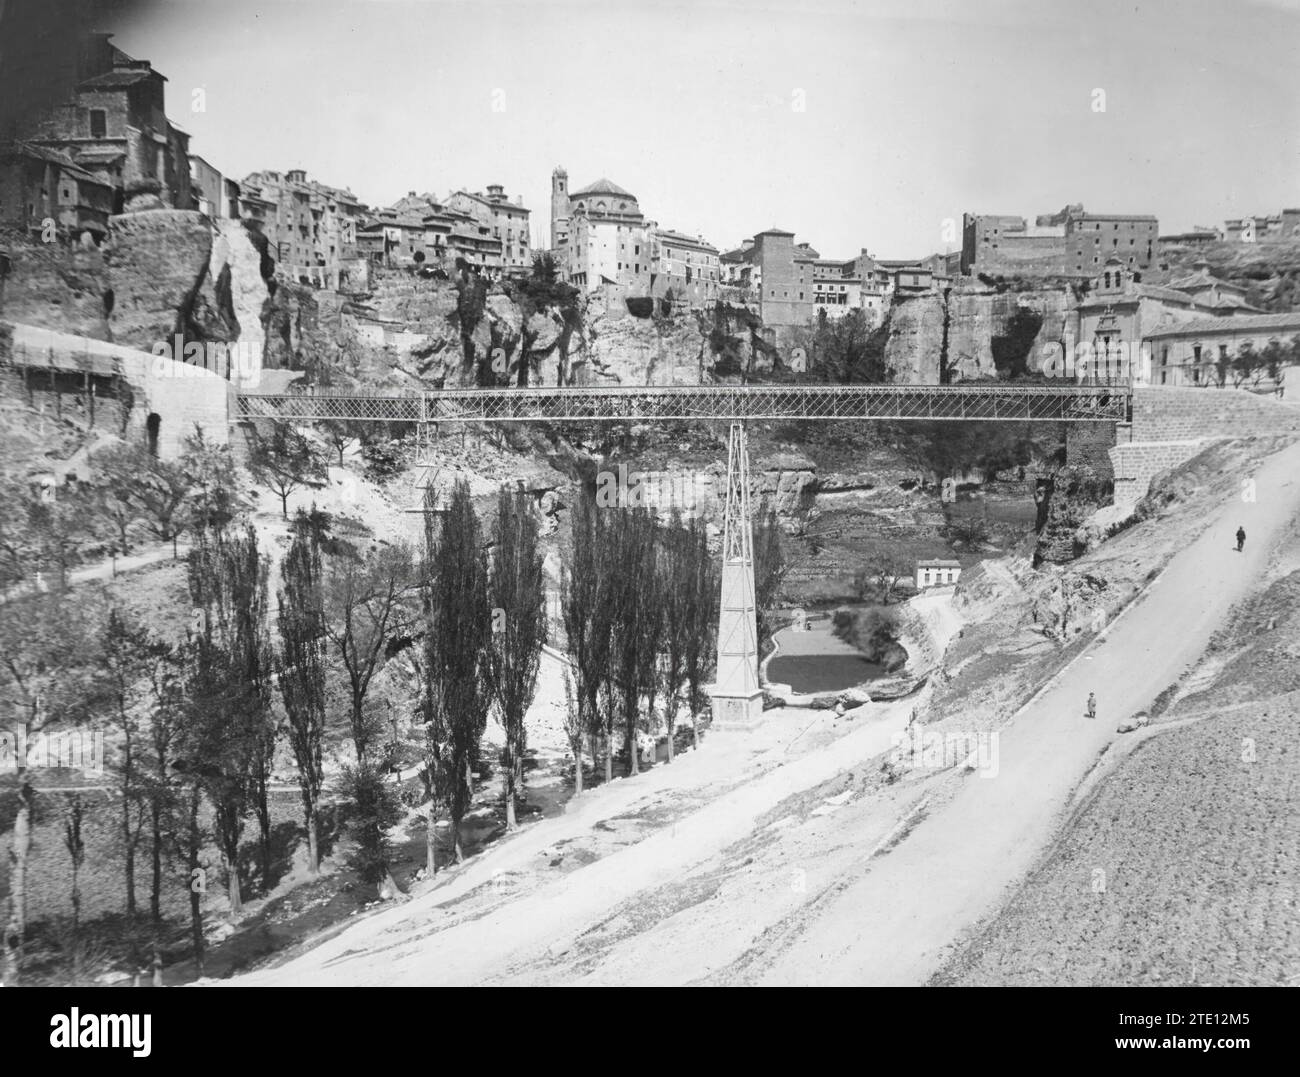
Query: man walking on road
x,y
1092,704
1241,538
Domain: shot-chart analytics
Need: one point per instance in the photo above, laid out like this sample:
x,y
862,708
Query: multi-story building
x,y
1284,225
1069,243
214,194
307,224
837,289
601,239
785,297
1193,351
41,187
113,124
688,265
505,221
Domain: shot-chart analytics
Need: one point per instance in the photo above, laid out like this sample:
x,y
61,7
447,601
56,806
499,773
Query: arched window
x,y
151,425
1107,280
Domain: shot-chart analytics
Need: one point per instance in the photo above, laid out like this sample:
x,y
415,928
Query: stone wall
x,y
1170,426
182,396
1169,414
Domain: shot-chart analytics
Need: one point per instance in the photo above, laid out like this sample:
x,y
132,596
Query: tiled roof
x,y
113,80
603,186
1242,323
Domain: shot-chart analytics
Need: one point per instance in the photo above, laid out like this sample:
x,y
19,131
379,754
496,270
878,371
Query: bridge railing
x,y
1031,403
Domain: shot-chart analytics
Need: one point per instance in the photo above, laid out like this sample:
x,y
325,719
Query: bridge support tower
x,y
737,698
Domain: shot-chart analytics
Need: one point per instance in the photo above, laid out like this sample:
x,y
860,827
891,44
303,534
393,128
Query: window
x,y
98,123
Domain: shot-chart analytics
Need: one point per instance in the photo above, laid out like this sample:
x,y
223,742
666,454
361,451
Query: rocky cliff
x,y
972,332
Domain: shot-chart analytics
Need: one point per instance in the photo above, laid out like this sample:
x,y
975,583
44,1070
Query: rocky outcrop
x,y
969,333
157,263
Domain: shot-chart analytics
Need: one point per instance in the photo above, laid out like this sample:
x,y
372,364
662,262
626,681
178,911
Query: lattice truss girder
x,y
1036,403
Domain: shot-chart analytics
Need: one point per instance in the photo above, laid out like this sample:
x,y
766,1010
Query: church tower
x,y
559,207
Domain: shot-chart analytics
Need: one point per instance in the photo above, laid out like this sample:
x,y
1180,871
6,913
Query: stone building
x,y
113,124
937,573
215,195
40,185
604,237
785,295
505,221
688,265
1188,353
1068,243
1284,225
837,288
308,224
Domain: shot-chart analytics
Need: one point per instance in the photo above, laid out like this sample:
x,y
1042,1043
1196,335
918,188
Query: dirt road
x,y
895,924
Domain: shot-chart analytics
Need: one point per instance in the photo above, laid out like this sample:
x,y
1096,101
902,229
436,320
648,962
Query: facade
x,y
39,185
1117,316
837,289
936,573
1284,225
604,237
505,221
785,294
1069,243
114,125
308,224
1189,353
214,194
689,265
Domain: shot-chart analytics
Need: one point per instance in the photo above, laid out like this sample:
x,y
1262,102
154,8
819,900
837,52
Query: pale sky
x,y
913,110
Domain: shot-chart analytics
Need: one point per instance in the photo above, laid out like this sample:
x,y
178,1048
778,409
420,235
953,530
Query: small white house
x,y
936,573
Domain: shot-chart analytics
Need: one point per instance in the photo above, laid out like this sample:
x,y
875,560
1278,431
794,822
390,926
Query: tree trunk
x,y
577,770
313,844
609,759
196,895
511,823
431,842
155,888
264,837
632,753
16,920
232,888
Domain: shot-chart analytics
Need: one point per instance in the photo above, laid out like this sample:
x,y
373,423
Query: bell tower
x,y
559,208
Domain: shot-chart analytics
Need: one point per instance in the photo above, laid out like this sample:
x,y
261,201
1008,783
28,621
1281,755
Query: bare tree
x,y
367,606
284,460
43,683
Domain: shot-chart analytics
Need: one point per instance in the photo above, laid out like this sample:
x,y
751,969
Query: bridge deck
x,y
1032,403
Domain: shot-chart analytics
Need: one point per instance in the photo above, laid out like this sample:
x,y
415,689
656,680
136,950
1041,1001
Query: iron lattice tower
x,y
737,698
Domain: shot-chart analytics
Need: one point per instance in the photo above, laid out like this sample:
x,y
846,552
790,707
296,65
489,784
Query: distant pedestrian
x,y
1241,538
1092,705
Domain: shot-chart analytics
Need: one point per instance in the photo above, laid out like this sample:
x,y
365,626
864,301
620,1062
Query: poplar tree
x,y
517,591
302,669
457,641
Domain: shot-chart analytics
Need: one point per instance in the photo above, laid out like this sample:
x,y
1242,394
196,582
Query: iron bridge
x,y
1006,403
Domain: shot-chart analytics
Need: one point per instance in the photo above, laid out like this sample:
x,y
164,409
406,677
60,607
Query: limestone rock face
x,y
975,320
235,255
619,349
58,288
157,261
